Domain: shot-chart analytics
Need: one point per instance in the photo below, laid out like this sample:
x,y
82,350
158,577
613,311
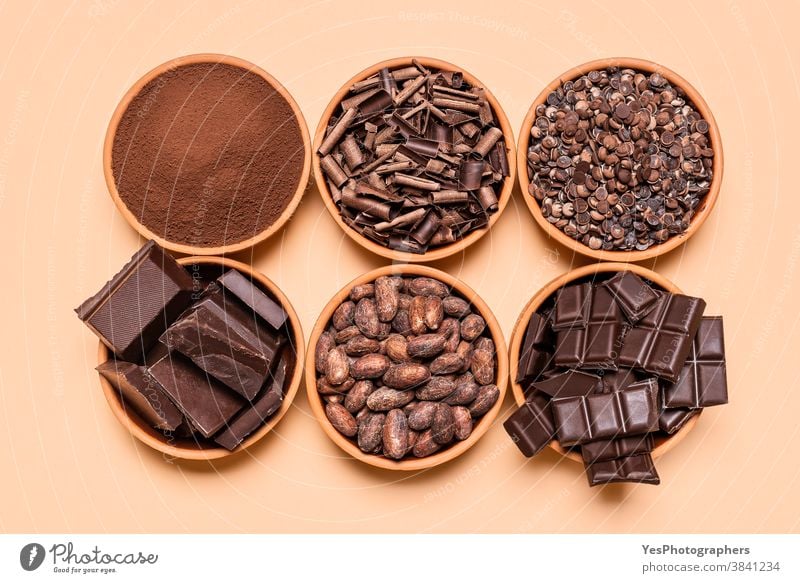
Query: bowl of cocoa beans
x,y
407,368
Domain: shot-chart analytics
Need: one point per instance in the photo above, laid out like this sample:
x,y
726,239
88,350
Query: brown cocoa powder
x,y
207,154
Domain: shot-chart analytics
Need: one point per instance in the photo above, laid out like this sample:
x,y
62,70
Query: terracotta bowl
x,y
188,449
438,252
181,247
703,209
445,455
662,444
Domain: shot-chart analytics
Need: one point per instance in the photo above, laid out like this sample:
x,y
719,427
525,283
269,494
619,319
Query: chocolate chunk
x,y
572,307
636,468
244,289
207,403
223,340
142,393
132,310
671,420
660,342
595,343
262,407
634,296
631,411
703,380
531,426
537,349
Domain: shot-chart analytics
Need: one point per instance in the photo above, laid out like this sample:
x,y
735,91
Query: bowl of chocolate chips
x,y
414,159
620,159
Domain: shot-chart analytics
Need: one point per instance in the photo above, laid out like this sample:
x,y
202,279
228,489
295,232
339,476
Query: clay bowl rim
x,y
122,106
479,429
438,252
704,208
542,295
139,428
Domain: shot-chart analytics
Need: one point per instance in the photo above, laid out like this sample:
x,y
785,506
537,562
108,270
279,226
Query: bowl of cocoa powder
x,y
207,154
620,159
406,368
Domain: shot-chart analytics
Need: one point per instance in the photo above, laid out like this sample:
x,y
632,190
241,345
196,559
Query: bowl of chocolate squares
x,y
612,365
198,357
414,159
620,159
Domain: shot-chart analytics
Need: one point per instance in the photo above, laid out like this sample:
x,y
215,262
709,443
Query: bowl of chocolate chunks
x,y
406,368
198,357
414,159
612,365
620,159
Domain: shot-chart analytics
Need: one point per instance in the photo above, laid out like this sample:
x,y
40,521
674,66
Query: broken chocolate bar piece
x,y
142,393
221,338
207,403
263,406
635,468
531,426
594,336
132,310
263,305
572,383
609,449
536,354
631,411
671,420
572,307
660,342
703,380
634,296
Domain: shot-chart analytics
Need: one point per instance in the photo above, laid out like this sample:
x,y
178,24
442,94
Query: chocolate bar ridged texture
x,y
132,310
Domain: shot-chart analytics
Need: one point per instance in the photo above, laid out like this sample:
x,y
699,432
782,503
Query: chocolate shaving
x,y
416,160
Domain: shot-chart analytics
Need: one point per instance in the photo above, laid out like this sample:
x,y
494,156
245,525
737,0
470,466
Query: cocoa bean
x,y
443,425
361,345
447,363
472,326
482,366
426,286
451,330
324,345
335,398
485,343
364,290
422,415
346,334
402,323
456,307
406,375
436,389
463,423
416,315
384,399
395,434
487,397
434,314
466,389
425,444
356,397
464,350
397,348
403,301
426,345
343,315
325,388
370,432
371,366
337,367
386,298
341,419
362,415
366,318
412,440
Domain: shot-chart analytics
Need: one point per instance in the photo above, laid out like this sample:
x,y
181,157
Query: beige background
x,y
67,465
